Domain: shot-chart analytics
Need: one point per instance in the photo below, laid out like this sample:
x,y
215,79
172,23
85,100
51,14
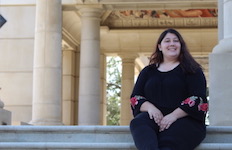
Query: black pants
x,y
184,134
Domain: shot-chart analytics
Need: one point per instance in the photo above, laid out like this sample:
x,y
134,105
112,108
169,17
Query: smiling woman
x,y
170,48
169,101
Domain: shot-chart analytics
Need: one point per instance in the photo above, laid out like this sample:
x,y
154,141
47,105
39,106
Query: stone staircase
x,y
92,138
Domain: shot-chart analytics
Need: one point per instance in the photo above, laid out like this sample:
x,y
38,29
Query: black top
x,y
170,90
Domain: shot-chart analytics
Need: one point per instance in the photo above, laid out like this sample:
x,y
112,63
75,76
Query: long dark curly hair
x,y
187,62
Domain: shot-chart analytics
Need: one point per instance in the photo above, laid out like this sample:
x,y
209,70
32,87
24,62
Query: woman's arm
x,y
154,113
196,105
138,95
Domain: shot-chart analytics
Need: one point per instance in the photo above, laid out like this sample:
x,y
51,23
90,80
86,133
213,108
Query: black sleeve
x,y
138,96
196,105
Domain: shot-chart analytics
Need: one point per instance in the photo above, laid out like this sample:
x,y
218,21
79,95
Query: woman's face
x,y
170,46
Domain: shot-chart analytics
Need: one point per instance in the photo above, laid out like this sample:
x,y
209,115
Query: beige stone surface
x,y
220,89
19,112
20,22
16,49
16,88
140,41
69,62
18,57
68,113
69,87
5,117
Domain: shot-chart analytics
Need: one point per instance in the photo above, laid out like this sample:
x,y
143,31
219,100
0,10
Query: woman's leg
x,y
184,134
144,131
165,148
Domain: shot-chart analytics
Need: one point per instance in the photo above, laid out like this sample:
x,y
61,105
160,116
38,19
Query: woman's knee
x,y
144,120
139,119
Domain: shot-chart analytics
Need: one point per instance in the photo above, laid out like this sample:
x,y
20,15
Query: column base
x,y
224,46
45,123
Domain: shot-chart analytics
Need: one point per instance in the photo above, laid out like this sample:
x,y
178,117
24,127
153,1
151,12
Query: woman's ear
x,y
159,46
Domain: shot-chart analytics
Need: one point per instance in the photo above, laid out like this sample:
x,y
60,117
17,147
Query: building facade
x,y
53,64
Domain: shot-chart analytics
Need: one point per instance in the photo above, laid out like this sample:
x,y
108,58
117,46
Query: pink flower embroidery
x,y
134,100
185,101
203,107
190,101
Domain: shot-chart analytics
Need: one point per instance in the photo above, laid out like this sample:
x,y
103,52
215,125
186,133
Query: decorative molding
x,y
68,41
138,4
105,15
159,5
162,18
91,1
170,22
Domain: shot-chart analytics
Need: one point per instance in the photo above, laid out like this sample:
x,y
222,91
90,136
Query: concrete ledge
x,y
215,146
225,129
94,146
66,128
55,145
92,138
210,129
94,134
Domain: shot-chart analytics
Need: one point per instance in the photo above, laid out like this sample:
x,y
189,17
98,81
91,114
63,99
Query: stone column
x,y
47,71
128,73
220,70
89,86
69,86
103,107
220,20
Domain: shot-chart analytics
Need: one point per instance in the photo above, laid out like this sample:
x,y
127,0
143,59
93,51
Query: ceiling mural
x,y
163,18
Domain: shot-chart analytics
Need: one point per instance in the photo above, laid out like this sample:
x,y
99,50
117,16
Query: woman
x,y
169,98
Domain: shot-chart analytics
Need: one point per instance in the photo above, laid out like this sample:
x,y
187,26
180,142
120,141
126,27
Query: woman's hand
x,y
154,113
167,121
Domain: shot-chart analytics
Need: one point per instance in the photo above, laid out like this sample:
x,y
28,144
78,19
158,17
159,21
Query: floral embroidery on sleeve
x,y
134,100
191,101
203,106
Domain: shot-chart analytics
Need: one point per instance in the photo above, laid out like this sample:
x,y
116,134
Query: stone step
x,y
66,146
214,146
78,134
94,146
92,138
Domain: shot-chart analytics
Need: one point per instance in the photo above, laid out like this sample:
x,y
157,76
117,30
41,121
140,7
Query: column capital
x,y
91,11
128,55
